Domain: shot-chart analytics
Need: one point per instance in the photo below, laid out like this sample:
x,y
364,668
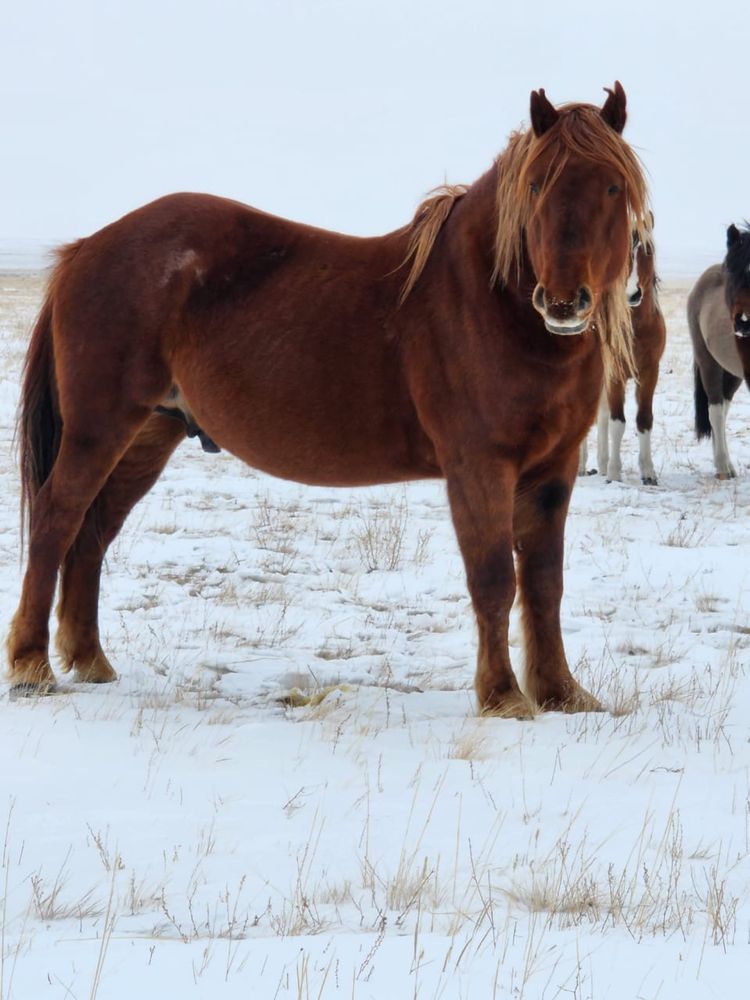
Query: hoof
x,y
30,675
573,699
649,481
100,671
509,705
722,476
27,690
91,666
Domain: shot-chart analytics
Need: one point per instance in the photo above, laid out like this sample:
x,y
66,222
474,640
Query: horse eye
x,y
534,187
613,189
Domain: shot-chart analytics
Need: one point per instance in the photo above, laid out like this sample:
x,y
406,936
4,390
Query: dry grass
x,y
379,538
687,533
428,860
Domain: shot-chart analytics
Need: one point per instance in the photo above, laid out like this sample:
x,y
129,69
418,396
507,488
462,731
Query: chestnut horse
x,y
649,339
718,311
306,354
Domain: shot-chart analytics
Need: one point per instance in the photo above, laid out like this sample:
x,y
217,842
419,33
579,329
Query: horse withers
x,y
718,311
649,339
468,345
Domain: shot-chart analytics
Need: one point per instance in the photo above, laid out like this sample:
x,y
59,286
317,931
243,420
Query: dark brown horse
x,y
306,354
649,339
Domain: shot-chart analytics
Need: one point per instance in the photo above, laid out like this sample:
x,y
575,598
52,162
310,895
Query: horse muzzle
x,y
564,317
741,325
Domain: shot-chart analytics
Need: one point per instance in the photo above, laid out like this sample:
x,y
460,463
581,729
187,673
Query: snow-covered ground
x,y
185,833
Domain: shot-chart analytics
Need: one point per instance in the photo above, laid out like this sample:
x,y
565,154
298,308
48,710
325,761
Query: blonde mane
x,y
580,130
427,223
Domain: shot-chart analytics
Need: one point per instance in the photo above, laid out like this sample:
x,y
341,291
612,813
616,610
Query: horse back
x,y
283,338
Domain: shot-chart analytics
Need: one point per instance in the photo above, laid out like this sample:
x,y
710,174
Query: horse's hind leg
x,y
84,462
78,631
538,526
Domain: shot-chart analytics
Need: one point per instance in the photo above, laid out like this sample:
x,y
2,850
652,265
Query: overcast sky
x,y
343,113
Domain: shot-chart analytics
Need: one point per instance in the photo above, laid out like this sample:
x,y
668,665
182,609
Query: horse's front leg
x,y
480,490
644,421
538,526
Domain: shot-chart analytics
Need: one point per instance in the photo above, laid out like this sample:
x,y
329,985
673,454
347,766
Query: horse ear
x,y
613,110
733,234
543,114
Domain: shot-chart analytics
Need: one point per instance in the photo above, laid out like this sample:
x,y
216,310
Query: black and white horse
x,y
718,311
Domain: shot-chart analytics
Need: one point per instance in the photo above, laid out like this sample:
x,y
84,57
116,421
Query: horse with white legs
x,y
649,338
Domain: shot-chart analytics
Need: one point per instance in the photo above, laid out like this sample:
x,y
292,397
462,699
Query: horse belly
x,y
295,425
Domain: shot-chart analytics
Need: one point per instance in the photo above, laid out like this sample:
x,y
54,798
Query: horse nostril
x,y
584,298
538,299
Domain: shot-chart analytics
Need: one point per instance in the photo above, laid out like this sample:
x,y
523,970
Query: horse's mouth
x,y
567,328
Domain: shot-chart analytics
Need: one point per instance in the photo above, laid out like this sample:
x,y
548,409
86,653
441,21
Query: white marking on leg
x,y
614,467
645,463
583,456
717,416
632,288
602,434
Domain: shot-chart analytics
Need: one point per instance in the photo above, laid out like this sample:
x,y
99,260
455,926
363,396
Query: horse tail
x,y
702,423
39,426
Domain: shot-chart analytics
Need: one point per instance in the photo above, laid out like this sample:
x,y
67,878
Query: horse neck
x,y
472,226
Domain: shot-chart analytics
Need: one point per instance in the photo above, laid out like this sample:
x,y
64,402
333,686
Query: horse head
x,y
642,268
585,192
737,279
634,287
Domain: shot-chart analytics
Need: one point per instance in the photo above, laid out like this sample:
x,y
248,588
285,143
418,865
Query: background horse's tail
x,y
39,421
702,423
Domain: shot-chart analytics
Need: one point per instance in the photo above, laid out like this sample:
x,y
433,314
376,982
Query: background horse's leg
x,y
616,399
644,421
717,415
83,464
538,528
602,434
714,389
78,609
480,490
583,457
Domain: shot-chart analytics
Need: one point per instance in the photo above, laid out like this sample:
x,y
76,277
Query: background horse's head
x,y
737,278
634,287
642,270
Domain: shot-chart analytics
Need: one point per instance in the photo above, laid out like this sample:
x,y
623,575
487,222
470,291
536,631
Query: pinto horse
x,y
718,311
649,339
468,345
